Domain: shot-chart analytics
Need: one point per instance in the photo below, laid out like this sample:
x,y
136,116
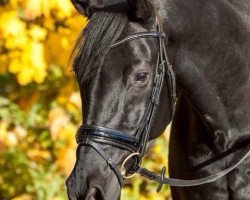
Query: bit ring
x,y
123,169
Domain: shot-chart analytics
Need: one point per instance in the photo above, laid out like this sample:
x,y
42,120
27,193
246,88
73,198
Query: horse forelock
x,y
95,41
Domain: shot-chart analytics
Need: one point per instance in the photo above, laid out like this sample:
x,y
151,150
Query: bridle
x,y
136,145
90,135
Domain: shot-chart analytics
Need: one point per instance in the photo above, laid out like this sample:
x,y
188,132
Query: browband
x,y
139,35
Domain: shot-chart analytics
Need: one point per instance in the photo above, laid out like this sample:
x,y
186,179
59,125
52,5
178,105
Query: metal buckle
x,y
163,171
123,169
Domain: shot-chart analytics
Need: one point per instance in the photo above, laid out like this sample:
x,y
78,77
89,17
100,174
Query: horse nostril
x,y
94,194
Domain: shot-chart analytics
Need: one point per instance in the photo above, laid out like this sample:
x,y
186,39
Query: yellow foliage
x,y
23,197
36,154
60,8
32,47
20,132
4,63
62,130
65,156
8,138
75,99
11,25
66,159
30,65
64,7
3,134
57,120
36,37
37,33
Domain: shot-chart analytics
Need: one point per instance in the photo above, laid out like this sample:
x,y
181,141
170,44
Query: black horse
x,y
208,44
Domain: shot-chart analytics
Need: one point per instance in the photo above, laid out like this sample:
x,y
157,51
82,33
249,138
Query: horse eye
x,y
141,76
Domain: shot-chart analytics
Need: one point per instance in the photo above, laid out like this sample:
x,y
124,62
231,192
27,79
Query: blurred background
x,y
40,104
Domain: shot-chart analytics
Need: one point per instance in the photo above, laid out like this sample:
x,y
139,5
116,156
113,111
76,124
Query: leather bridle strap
x,y
163,68
150,34
89,140
161,179
105,135
112,164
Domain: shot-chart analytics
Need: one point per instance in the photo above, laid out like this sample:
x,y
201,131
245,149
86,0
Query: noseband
x,y
94,135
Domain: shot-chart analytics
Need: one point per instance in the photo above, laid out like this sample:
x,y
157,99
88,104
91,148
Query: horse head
x,y
119,61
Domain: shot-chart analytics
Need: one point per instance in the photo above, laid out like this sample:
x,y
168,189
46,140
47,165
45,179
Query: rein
x,y
94,135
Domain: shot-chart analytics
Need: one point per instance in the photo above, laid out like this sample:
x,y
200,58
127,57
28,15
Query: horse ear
x,y
141,9
82,6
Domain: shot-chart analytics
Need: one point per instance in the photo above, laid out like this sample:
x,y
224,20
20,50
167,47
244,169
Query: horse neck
x,y
209,49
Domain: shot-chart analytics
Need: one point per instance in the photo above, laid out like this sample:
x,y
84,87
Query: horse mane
x,y
95,41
